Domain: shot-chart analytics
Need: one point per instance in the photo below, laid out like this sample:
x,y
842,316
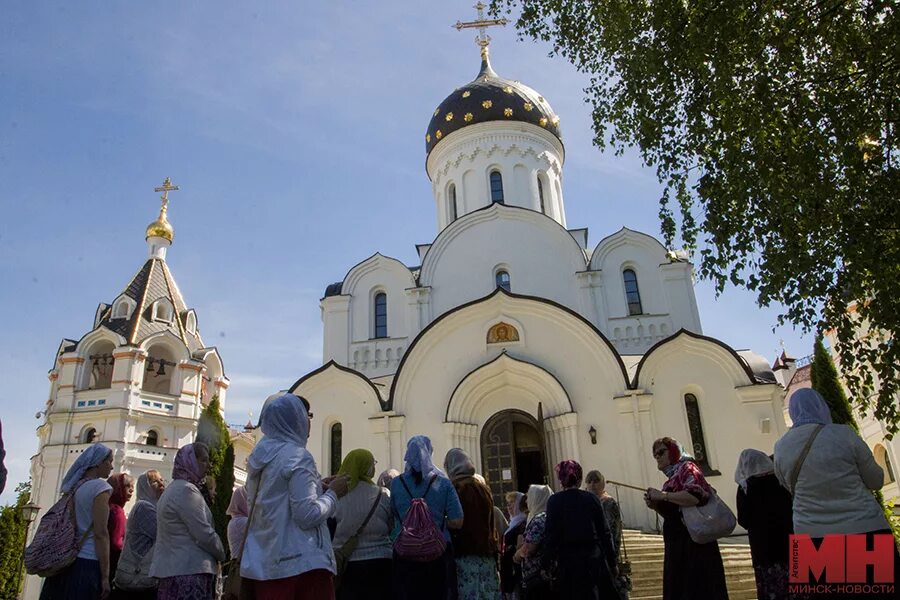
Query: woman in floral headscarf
x,y
690,570
188,550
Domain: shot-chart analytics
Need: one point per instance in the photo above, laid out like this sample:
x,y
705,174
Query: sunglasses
x,y
660,452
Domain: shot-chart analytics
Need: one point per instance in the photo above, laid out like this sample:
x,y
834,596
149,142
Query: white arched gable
x,y
639,242
337,394
168,339
531,383
541,255
375,264
453,345
97,335
685,345
122,307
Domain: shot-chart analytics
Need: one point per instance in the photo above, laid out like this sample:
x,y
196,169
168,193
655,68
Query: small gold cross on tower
x,y
165,188
481,24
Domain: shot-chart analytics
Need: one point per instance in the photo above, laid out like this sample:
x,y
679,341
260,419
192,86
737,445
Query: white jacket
x,y
287,532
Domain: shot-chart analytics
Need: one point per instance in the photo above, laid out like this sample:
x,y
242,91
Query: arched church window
x,y
89,436
121,309
451,199
632,293
503,280
163,310
698,442
380,315
541,194
496,187
336,450
152,438
884,461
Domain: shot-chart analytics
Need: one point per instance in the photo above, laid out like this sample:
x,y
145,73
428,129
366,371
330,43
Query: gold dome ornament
x,y
161,226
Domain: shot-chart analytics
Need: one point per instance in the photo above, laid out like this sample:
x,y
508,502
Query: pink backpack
x,y
55,544
420,540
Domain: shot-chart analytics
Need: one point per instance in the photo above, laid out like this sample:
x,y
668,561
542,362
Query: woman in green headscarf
x,y
364,522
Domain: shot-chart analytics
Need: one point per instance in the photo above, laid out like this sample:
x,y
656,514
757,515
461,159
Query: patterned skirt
x,y
187,587
477,578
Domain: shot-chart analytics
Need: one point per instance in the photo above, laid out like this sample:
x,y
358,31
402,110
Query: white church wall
x,y
541,256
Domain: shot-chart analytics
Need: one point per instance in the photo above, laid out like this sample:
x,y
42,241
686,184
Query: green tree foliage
x,y
825,380
773,129
12,539
212,431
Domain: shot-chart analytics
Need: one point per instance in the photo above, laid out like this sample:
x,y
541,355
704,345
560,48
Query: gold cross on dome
x,y
165,188
481,24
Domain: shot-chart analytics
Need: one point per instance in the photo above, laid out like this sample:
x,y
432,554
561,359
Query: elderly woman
x,y
132,579
88,577
188,550
386,477
690,570
578,538
595,483
831,473
421,479
288,550
537,568
510,572
364,514
475,545
122,486
238,510
764,510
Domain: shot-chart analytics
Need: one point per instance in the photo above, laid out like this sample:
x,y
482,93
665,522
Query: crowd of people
x,y
428,532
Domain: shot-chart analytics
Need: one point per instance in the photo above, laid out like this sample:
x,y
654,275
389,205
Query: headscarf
x,y
677,455
516,515
569,473
144,490
385,479
238,507
538,495
186,466
118,482
356,465
751,464
91,457
418,456
458,464
284,421
807,406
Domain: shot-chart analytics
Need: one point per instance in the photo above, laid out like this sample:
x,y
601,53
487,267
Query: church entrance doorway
x,y
512,452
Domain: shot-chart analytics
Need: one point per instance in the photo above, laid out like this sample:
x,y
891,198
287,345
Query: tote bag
x,y
709,522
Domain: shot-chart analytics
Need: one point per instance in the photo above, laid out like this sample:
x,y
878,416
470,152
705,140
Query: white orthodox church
x,y
137,382
517,339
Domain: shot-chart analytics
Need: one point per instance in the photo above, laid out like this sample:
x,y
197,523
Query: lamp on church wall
x,y
593,433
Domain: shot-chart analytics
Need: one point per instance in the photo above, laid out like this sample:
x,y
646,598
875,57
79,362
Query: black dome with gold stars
x,y
489,98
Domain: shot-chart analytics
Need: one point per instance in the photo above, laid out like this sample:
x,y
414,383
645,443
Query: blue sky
x,y
296,132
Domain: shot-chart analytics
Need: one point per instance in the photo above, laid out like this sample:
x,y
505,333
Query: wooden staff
x,y
626,485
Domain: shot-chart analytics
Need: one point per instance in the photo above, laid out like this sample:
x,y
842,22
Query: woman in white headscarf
x,y
533,553
764,510
421,479
88,577
132,579
287,552
510,572
831,473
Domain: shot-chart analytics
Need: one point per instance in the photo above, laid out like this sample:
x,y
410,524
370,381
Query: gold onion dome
x,y
160,227
490,97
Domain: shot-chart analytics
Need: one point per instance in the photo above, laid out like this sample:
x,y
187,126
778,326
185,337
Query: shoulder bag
x,y
709,522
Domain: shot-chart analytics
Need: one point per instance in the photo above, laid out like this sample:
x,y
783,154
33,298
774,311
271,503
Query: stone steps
x,y
645,551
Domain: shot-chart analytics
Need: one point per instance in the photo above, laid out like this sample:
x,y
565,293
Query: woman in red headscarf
x,y
122,490
690,570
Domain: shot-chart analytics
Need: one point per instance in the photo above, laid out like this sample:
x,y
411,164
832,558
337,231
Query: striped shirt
x,y
352,510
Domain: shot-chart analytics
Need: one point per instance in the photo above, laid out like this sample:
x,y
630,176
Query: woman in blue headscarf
x,y
287,552
88,577
421,479
831,473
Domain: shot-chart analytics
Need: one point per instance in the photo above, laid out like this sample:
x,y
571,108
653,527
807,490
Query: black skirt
x,y
690,570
